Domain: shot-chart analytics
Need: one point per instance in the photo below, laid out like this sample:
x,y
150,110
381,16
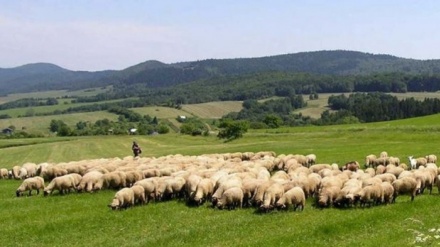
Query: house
x,y
8,131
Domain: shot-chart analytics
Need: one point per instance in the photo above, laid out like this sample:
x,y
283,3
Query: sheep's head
x,y
17,193
115,204
46,192
281,205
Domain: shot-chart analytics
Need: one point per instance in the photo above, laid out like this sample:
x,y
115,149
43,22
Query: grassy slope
x,y
84,219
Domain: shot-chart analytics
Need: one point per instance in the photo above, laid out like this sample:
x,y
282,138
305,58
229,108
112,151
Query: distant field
x,y
40,125
213,110
159,111
53,94
316,107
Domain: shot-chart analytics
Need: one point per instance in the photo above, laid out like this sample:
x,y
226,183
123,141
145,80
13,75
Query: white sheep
x,y
295,197
139,194
231,198
63,184
29,184
124,198
204,191
406,185
4,173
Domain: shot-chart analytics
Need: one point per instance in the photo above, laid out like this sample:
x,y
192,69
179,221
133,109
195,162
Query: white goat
x,y
412,162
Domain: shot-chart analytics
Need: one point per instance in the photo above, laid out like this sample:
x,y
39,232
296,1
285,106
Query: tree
x,y
232,129
273,121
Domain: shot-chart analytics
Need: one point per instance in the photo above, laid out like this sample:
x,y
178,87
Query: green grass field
x,y
85,220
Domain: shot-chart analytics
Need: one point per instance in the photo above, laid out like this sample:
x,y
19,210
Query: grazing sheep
x,y
257,199
52,172
231,198
89,181
406,185
22,173
63,184
191,185
139,194
132,177
226,184
388,192
328,195
204,191
149,185
370,194
124,198
114,180
29,184
317,167
387,177
15,171
271,196
31,169
295,197
380,169
394,160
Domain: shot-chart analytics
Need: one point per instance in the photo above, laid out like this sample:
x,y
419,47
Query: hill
x,y
155,74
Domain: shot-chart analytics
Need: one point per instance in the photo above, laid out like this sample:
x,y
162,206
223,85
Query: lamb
x,y
231,198
406,185
63,184
204,191
29,184
295,197
124,198
139,194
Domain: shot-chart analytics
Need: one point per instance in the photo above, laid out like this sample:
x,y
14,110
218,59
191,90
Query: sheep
x,y
114,180
204,191
63,184
124,198
31,169
4,173
388,192
29,184
227,184
404,186
295,197
231,198
352,166
22,173
191,185
328,195
132,176
149,185
52,172
380,169
370,194
370,160
394,160
15,171
139,194
383,154
311,159
317,167
417,162
272,194
249,188
431,158
387,177
89,181
257,199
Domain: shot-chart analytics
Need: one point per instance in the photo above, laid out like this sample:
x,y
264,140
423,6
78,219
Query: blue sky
x,y
104,34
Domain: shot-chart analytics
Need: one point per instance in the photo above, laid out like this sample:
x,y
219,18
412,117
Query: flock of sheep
x,y
262,180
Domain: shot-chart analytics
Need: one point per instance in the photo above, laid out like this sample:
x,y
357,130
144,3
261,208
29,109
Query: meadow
x,y
83,219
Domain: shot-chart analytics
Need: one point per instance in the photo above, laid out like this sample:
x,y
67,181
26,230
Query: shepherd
x,y
136,149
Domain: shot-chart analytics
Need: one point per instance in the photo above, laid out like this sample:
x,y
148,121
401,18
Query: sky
x,y
94,35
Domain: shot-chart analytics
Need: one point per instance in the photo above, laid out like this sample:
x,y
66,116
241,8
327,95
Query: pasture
x,y
83,219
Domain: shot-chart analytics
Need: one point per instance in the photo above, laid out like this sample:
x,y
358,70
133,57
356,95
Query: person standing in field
x,y
136,149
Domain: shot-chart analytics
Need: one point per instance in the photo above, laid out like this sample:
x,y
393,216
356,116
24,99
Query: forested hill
x,y
155,74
